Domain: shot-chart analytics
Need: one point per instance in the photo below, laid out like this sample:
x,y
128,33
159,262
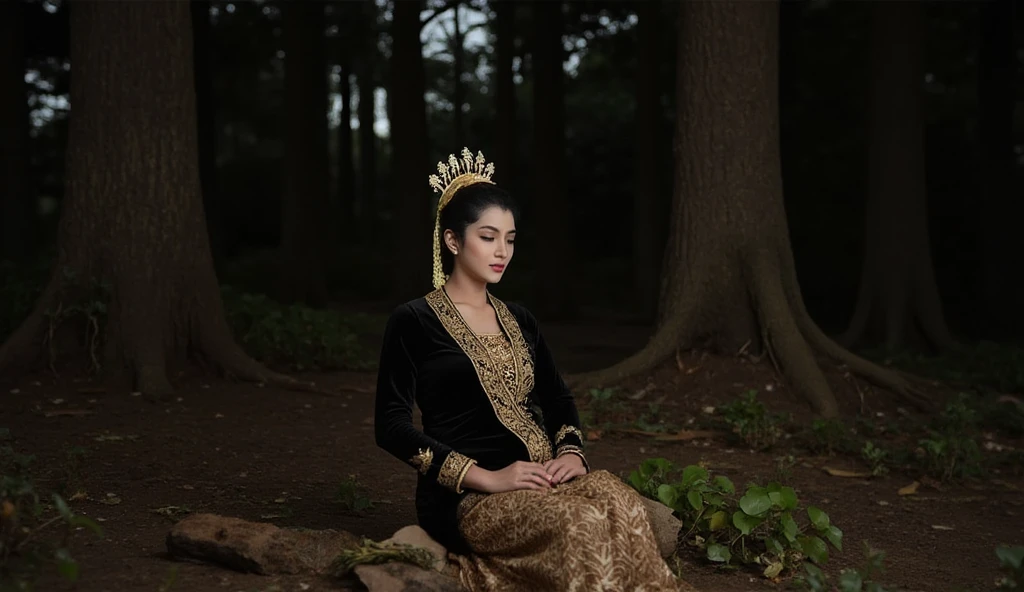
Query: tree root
x,y
23,346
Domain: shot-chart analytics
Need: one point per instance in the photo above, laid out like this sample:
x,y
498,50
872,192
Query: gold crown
x,y
455,175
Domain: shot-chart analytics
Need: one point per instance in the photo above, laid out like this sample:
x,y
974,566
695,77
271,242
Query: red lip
x,y
498,267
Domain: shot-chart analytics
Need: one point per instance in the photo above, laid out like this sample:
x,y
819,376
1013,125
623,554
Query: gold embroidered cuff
x,y
570,449
454,470
565,431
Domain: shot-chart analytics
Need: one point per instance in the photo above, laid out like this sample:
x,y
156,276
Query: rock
x,y
665,525
403,577
256,547
416,536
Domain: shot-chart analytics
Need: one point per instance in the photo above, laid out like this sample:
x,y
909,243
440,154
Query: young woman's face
x,y
488,246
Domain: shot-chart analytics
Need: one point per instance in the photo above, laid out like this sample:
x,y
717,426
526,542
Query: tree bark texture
x,y
556,280
413,218
206,114
305,206
505,101
17,216
898,300
646,258
731,282
1001,287
133,214
365,68
346,164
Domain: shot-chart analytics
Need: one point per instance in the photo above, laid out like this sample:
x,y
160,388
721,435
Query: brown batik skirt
x,y
589,534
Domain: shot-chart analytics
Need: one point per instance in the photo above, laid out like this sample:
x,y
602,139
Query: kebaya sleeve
x,y
396,394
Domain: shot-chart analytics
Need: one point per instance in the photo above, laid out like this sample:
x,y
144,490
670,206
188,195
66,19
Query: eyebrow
x,y
496,230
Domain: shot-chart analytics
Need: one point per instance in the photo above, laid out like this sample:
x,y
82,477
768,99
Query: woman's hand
x,y
565,468
516,476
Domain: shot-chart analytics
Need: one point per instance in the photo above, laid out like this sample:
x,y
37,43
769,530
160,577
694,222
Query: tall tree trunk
x,y
367,116
206,113
556,280
305,207
346,165
409,148
898,297
646,260
458,67
133,214
505,100
17,217
731,279
1001,208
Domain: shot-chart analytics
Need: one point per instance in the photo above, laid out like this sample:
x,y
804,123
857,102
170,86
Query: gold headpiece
x,y
455,175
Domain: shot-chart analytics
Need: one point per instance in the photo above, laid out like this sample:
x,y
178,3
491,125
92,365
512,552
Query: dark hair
x,y
465,208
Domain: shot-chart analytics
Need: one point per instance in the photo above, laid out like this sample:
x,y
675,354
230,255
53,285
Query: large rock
x,y
665,525
256,547
404,577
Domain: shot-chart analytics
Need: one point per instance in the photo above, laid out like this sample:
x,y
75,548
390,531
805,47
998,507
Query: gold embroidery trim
x,y
565,431
454,470
507,385
422,460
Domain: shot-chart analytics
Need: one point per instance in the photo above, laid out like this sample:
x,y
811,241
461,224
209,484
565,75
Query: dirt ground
x,y
269,455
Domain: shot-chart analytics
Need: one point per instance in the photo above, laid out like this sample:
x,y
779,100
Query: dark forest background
x,y
293,179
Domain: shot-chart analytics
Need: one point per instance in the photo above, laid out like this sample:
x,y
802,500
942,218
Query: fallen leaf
x,y
78,495
110,500
594,435
845,473
909,489
941,527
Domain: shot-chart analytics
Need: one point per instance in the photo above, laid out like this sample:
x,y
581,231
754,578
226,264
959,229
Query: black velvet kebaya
x,y
485,399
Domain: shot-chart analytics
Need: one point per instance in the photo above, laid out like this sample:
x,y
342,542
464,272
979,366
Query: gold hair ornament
x,y
451,177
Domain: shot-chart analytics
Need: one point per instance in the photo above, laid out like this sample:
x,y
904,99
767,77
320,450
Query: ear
x,y
451,241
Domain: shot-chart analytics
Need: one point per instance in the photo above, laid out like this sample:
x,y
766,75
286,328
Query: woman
x,y
503,480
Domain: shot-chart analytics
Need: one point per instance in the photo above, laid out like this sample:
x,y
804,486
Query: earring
x,y
455,251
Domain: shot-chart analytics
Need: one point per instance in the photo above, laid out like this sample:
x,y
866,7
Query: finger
x,y
538,480
558,473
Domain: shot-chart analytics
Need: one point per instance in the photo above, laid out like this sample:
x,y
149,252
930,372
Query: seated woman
x,y
503,481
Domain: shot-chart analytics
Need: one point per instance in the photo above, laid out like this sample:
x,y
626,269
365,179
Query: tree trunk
x,y
458,66
17,216
898,298
346,166
367,117
132,216
409,147
556,280
646,260
206,114
305,207
1001,209
731,279
505,100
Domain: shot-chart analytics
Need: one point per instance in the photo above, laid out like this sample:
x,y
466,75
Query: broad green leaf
x,y
814,548
851,581
773,570
819,519
789,500
718,521
713,499
1011,556
773,545
724,485
66,565
62,506
719,553
667,495
692,474
744,522
789,527
695,499
756,502
834,536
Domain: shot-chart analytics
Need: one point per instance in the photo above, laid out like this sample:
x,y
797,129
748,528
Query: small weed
x,y
1011,564
850,580
751,421
876,458
350,496
828,436
951,452
601,404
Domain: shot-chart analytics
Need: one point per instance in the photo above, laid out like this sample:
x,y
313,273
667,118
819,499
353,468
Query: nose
x,y
501,251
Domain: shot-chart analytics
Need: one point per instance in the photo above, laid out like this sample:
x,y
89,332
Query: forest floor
x,y
297,459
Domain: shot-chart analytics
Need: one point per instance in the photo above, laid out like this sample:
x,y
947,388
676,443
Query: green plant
x,y
351,497
1011,564
850,580
876,458
951,450
827,436
758,528
24,519
296,336
751,421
